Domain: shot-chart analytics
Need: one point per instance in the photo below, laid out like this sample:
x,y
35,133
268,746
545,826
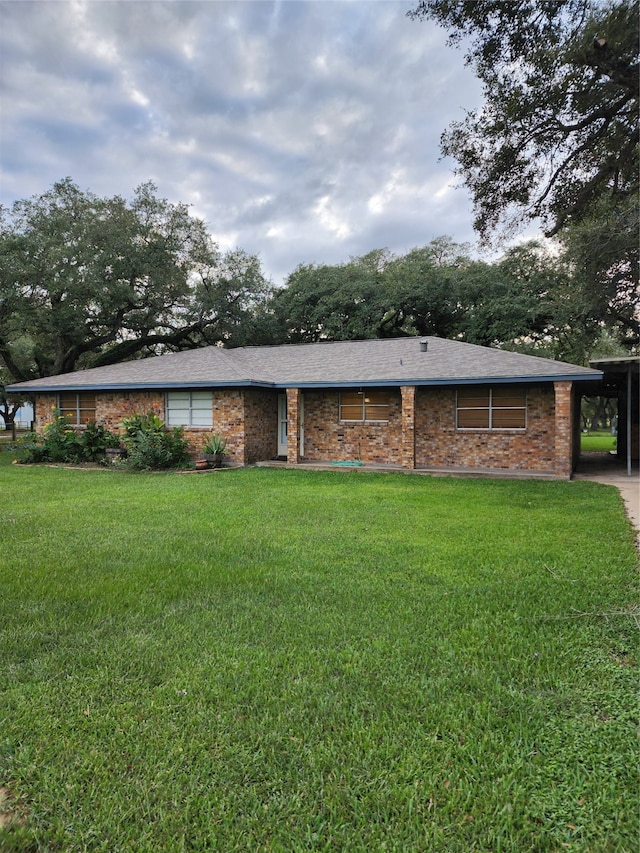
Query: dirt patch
x,y
10,812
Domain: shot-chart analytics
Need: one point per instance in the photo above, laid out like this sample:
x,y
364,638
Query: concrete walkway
x,y
607,469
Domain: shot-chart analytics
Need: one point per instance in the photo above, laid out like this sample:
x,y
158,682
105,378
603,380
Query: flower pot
x,y
214,459
202,464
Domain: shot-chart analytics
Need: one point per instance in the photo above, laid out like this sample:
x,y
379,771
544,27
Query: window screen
x,y
364,406
190,408
502,407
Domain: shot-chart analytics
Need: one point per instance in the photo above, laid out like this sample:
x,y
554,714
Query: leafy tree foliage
x,y
557,136
604,251
558,130
86,281
526,300
378,295
342,302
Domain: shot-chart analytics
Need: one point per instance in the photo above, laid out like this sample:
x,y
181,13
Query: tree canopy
x,y
529,300
86,281
556,139
558,131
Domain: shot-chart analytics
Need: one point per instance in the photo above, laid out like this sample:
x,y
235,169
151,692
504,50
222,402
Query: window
x,y
78,409
190,408
364,406
502,407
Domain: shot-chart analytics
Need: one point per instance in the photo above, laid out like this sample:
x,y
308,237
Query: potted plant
x,y
114,450
213,450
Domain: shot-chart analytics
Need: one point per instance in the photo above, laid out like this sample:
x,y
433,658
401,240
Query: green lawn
x,y
601,441
301,661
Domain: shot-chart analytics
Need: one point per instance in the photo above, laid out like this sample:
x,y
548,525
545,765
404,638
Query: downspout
x,y
628,420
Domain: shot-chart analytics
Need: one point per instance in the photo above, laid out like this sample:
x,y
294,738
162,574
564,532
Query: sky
x,y
303,131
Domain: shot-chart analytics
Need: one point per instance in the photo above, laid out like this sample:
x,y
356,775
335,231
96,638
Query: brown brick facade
x,y
420,432
408,437
563,429
326,438
111,407
295,426
440,445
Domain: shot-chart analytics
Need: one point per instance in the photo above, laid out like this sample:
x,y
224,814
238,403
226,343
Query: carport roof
x,y
617,365
392,362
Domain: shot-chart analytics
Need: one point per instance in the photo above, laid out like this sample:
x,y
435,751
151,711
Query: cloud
x,y
305,131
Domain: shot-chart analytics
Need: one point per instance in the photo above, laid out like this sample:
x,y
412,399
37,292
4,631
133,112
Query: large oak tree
x,y
556,139
86,281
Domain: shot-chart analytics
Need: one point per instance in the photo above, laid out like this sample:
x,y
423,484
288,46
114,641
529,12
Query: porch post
x,y
293,425
408,393
563,463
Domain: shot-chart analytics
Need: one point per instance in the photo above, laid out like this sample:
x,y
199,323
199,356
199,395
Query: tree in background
x,y
378,295
340,302
556,139
86,281
527,300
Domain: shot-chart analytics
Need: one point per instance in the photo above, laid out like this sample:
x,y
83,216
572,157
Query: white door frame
x,y
282,425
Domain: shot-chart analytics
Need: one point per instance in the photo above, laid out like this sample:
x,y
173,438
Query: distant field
x,y
602,441
278,660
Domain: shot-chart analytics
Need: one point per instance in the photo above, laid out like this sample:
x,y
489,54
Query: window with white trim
x,y
364,406
495,408
189,408
78,408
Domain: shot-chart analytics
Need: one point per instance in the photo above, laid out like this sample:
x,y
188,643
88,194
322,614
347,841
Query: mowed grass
x,y
341,661
594,442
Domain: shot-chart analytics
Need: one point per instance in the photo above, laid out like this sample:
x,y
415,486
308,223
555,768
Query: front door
x,y
282,425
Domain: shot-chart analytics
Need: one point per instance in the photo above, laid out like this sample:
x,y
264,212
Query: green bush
x,y
150,446
60,442
95,439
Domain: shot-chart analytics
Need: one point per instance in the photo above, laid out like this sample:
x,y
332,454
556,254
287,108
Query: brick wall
x,y
440,445
113,407
44,405
248,420
261,425
328,439
294,450
408,394
564,405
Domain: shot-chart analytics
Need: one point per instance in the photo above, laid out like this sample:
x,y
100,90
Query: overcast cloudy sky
x,y
305,131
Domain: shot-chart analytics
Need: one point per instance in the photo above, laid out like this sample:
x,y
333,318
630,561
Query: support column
x,y
408,393
293,425
563,463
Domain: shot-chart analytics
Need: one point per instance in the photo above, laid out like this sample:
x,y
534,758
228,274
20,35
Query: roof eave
x,y
451,380
25,387
131,386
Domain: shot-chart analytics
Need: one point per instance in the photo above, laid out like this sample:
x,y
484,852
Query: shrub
x,y
60,442
215,445
151,446
95,439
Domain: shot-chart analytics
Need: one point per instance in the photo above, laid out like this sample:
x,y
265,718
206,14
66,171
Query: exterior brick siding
x,y
420,432
440,445
326,438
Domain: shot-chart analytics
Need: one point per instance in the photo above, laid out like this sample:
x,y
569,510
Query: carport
x,y
621,380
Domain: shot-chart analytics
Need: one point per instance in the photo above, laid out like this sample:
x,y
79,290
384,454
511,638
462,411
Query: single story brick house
x,y
411,403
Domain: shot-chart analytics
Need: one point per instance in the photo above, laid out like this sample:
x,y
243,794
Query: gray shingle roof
x,y
397,361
